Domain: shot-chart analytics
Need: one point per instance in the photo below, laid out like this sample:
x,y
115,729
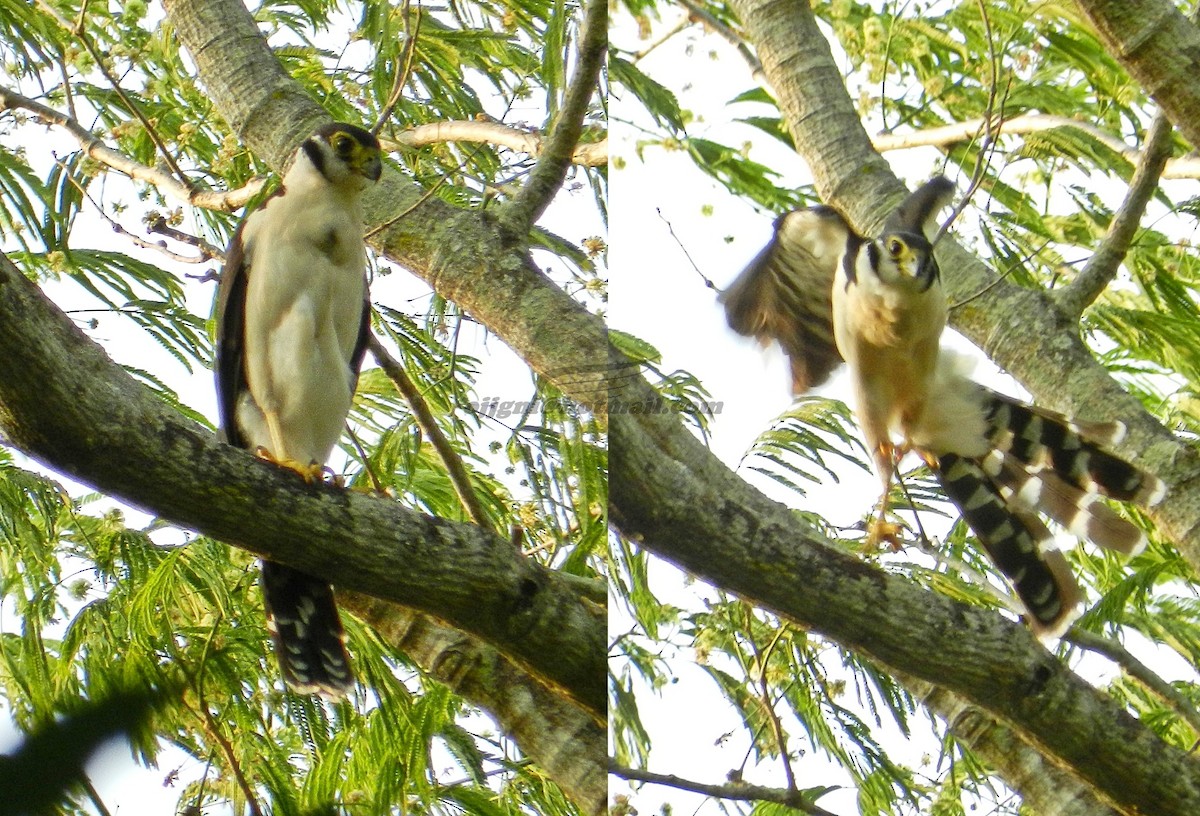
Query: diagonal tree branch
x,y
65,403
1105,262
519,215
671,494
96,149
1160,48
459,478
1046,788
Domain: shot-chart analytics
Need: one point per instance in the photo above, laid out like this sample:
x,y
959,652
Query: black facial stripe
x,y
313,151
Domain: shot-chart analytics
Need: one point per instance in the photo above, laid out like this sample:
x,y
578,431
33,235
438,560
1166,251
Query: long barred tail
x,y
1015,540
1073,451
306,629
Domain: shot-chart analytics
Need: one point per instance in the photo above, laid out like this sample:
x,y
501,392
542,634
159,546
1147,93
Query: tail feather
x,y
306,629
1083,514
1014,539
1041,439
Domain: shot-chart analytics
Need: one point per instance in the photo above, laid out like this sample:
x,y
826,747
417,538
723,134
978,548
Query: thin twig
x,y
683,22
158,224
520,214
1117,653
993,122
699,12
79,31
764,688
230,756
1102,267
455,469
119,228
738,791
406,61
96,149
708,283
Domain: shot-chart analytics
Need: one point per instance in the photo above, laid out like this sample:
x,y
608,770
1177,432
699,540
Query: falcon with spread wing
x,y
292,326
827,294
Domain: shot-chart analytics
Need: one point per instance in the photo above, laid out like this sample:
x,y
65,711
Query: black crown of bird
x,y
828,295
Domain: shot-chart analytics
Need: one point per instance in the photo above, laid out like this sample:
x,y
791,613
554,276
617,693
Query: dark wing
x,y
917,213
785,294
230,337
364,337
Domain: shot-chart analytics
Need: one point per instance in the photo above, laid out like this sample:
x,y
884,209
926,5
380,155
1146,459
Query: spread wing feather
x,y
784,294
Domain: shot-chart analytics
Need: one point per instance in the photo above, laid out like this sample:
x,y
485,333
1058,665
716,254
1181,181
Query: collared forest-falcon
x,y
827,294
292,321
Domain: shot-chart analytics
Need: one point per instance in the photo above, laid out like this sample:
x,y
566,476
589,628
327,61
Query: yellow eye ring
x,y
895,246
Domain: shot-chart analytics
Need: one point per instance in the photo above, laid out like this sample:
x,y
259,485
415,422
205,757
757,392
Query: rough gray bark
x,y
1046,788
64,402
1160,48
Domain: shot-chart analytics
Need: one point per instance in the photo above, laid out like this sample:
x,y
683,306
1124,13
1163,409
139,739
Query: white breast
x,y
303,309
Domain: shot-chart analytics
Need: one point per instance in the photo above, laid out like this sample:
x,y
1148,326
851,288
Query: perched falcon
x,y
827,295
292,322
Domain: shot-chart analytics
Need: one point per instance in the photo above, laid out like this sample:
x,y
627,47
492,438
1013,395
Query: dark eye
x,y
895,246
342,143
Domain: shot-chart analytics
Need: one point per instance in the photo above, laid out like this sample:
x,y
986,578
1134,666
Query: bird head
x,y
903,258
346,155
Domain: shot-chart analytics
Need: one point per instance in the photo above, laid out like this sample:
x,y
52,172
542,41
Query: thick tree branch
x,y
592,154
1102,267
464,255
1046,788
1160,48
1138,670
62,401
519,215
735,791
671,494
97,150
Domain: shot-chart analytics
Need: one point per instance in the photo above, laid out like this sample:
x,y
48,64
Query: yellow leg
x,y
880,529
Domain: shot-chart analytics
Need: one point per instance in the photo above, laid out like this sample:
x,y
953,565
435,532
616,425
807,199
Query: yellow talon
x,y
312,472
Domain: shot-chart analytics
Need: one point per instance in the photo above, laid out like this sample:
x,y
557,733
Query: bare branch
x,y
1102,267
96,149
592,154
703,15
551,169
78,30
739,791
1135,668
945,135
459,478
